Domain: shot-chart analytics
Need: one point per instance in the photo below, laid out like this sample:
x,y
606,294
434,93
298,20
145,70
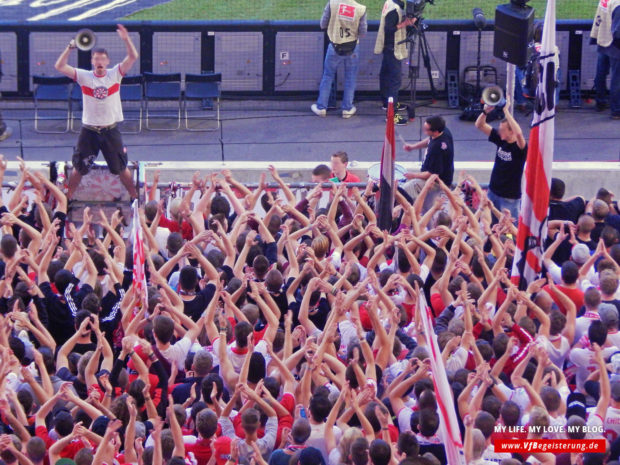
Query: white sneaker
x,y
349,113
318,111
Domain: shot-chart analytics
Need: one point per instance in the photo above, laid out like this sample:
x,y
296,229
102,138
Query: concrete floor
x,y
288,131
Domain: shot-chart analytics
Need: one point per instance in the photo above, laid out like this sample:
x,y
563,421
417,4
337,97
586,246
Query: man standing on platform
x,y
391,42
102,112
345,21
510,155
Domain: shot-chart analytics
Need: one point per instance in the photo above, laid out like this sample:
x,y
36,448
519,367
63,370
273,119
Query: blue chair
x,y
51,89
159,87
132,91
76,104
203,87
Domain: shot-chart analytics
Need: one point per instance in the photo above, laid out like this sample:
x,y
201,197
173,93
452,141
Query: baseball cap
x,y
608,314
310,456
576,405
222,449
580,253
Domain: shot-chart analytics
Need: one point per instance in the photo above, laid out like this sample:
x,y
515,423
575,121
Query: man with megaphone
x,y
510,154
102,111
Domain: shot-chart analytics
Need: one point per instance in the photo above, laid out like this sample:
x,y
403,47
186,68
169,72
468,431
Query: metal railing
x,y
257,50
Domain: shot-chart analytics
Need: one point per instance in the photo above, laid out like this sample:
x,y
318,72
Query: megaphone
x,y
85,39
493,96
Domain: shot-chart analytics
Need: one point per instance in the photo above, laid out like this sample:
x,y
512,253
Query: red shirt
x,y
68,452
576,295
173,226
201,450
349,177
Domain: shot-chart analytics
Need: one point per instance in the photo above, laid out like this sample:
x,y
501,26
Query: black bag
x,y
345,49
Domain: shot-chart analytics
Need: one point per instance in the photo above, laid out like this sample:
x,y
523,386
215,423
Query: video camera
x,y
415,8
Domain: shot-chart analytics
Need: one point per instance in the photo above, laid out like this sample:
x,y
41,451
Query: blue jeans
x,y
519,77
332,61
614,88
502,202
389,77
600,79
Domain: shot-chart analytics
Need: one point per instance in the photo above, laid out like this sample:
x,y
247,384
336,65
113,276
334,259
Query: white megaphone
x,y
493,96
85,40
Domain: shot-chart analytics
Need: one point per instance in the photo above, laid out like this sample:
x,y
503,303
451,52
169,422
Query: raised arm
x,y
132,53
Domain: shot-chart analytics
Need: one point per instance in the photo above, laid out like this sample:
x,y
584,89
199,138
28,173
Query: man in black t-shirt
x,y
505,185
564,209
439,159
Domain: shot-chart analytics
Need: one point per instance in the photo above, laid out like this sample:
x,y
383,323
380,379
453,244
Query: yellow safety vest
x,y
344,20
400,50
601,29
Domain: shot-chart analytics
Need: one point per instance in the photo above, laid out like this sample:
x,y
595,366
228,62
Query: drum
x,y
374,172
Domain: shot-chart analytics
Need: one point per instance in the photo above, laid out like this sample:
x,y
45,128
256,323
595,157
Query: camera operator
x,y
345,21
391,43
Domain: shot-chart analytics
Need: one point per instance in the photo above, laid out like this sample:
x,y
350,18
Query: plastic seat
x,y
160,87
132,91
203,87
51,89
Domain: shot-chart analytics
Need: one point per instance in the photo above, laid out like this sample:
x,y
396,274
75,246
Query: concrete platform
x,y
288,131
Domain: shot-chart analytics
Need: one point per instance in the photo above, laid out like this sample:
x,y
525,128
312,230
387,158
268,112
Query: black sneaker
x,y
399,107
400,120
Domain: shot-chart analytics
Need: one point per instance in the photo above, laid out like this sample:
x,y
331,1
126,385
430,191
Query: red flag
x,y
535,203
449,431
139,275
386,185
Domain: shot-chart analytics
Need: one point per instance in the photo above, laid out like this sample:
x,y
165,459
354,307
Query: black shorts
x,y
109,141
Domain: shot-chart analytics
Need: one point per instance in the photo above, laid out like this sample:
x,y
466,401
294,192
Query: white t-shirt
x,y
177,352
557,355
612,424
317,438
101,96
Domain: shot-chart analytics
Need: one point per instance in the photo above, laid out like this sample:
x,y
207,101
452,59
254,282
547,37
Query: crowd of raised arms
x,y
283,327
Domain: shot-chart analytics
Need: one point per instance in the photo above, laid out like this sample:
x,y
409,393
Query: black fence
x,y
271,59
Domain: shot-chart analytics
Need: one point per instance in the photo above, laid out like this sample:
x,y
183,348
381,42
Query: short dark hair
x,y
436,123
380,452
558,188
319,407
570,272
301,430
344,157
8,244
101,50
322,170
163,328
206,423
597,332
207,386
408,444
242,330
428,422
188,278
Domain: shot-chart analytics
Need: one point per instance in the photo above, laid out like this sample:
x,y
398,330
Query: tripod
x,y
471,112
413,32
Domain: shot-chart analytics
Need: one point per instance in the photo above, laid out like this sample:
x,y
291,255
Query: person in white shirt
x,y
102,111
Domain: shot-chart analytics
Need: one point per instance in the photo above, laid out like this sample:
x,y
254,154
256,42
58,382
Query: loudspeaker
x,y
513,33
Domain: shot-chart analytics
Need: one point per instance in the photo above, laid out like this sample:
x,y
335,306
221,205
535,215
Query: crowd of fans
x,y
283,330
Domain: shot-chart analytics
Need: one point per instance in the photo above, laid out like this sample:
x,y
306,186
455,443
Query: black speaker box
x,y
513,33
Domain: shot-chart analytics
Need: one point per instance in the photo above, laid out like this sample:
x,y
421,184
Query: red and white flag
x,y
385,204
535,203
139,275
449,431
